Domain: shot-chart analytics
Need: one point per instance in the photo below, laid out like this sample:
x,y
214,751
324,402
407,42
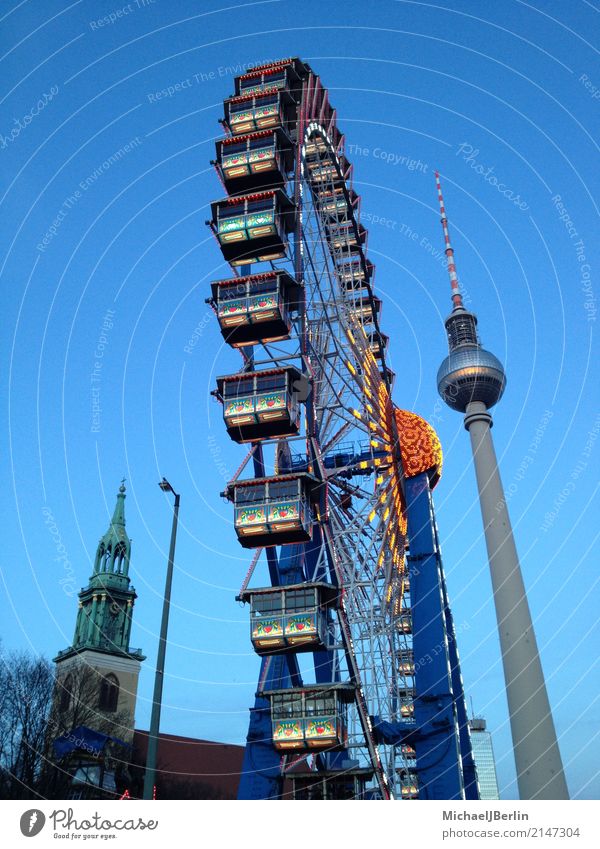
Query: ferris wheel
x,y
334,493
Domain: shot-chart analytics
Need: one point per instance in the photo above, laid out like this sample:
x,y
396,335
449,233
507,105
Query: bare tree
x,y
26,685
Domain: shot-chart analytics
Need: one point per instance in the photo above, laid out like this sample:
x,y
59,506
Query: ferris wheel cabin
x,y
250,113
290,618
254,161
329,172
256,308
253,228
345,237
404,621
366,310
352,275
334,206
406,662
378,343
276,510
284,74
260,404
310,718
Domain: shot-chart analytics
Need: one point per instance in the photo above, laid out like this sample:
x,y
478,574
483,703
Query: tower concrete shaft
x,y
539,766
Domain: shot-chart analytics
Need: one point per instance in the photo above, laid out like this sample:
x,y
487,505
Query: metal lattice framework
x,y
349,443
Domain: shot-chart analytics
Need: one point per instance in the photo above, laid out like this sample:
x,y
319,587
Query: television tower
x,y
471,380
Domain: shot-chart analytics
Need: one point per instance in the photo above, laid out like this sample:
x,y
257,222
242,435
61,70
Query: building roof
x,y
209,767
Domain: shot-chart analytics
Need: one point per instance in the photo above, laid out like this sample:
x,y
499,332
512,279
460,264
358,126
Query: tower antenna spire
x,y
454,285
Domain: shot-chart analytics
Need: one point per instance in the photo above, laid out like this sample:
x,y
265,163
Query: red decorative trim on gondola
x,y
242,198
276,64
255,481
235,281
264,72
241,97
238,139
244,374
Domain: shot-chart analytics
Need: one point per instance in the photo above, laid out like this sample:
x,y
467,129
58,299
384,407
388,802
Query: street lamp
x,y
150,775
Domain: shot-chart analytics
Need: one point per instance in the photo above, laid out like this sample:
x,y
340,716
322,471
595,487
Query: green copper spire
x,y
114,549
106,604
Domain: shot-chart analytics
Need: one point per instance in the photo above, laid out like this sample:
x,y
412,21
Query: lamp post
x,y
150,775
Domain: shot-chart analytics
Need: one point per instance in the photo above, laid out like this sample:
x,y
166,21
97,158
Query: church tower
x,y
97,676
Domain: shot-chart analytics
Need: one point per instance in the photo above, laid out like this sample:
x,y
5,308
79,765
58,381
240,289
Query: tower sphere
x,y
471,374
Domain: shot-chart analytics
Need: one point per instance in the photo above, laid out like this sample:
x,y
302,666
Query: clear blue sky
x,y
505,100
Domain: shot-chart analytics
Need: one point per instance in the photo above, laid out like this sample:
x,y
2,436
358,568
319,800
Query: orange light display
x,y
419,446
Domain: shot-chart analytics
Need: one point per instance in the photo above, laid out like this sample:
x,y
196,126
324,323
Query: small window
x,y
234,147
270,382
66,693
282,490
286,705
300,600
319,704
250,82
238,388
258,144
260,287
109,693
232,293
268,604
249,494
231,210
261,205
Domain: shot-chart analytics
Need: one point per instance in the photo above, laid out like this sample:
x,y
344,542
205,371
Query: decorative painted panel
x,y
262,302
287,731
226,225
259,219
265,111
265,628
232,307
234,159
302,624
283,512
275,401
262,154
251,515
238,407
323,728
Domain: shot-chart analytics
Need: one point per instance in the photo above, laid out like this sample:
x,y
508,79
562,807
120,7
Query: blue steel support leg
x,y
439,765
466,749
